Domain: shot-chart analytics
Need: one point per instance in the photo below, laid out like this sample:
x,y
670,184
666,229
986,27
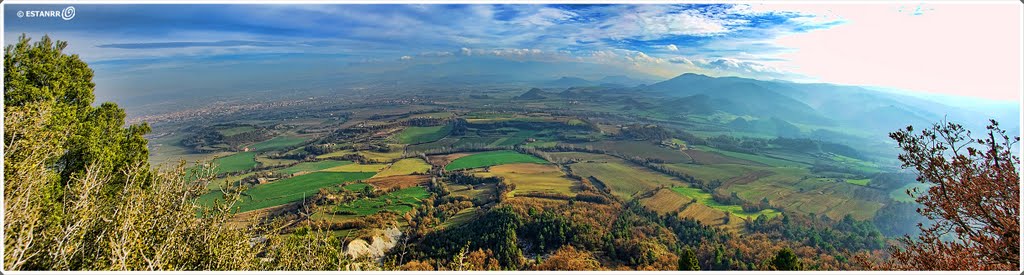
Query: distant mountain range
x,y
815,104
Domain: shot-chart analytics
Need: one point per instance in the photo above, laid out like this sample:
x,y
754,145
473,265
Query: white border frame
x,y
4,3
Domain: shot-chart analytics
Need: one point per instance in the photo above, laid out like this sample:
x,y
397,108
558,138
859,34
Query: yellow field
x,y
405,167
335,154
532,177
665,201
795,189
357,168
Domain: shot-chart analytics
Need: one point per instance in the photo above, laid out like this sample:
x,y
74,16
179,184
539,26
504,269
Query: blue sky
x,y
149,47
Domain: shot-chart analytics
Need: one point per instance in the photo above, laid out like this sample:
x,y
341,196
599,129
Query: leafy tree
x,y
40,74
974,199
569,258
785,259
79,193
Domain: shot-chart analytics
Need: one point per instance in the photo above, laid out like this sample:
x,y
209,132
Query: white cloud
x,y
649,22
466,51
641,57
405,57
515,52
546,17
672,47
436,54
680,60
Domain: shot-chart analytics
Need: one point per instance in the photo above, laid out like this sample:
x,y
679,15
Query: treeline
x,y
819,231
208,139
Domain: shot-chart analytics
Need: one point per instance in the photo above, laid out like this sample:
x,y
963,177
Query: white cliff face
x,y
375,249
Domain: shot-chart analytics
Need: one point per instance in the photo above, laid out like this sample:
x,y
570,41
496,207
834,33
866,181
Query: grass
x,y
400,201
705,199
796,189
274,162
356,187
405,167
865,167
532,177
491,158
417,135
444,142
624,179
464,216
861,182
518,138
709,172
357,168
476,141
541,144
665,201
477,193
240,161
773,162
236,130
288,190
278,143
644,149
313,166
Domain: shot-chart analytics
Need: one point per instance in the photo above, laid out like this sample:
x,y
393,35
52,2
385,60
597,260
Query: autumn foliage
x,y
973,201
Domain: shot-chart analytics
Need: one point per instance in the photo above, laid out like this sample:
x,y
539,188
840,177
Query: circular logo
x,y
21,14
68,13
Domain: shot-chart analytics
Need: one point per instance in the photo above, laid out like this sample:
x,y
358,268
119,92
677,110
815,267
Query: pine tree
x,y
785,259
688,261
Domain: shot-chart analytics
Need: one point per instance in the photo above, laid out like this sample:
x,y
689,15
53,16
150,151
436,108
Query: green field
x,y
624,179
238,162
861,182
444,142
709,172
312,166
227,132
705,199
644,149
476,141
400,201
796,189
278,143
416,135
274,162
860,165
464,216
491,158
533,178
405,167
774,162
518,138
294,189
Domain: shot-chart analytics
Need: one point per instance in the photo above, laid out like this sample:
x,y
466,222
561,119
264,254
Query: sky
x,y
950,49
